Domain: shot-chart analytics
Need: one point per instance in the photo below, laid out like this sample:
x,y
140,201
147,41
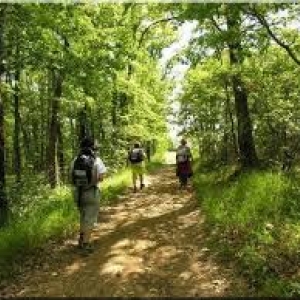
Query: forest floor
x,y
149,243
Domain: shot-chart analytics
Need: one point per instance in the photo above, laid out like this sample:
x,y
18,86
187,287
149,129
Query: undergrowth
x,y
43,214
254,218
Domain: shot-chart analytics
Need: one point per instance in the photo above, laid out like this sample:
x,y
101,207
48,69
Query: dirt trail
x,y
151,243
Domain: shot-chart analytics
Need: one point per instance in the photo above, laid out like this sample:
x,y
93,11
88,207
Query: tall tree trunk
x,y
61,158
26,142
83,124
42,139
245,132
43,124
114,120
35,147
232,127
73,136
224,149
3,199
17,150
53,170
92,122
50,85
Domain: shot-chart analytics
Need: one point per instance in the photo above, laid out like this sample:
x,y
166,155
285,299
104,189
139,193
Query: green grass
x,y
49,215
114,185
156,163
254,218
55,216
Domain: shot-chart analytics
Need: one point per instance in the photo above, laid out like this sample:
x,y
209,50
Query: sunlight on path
x,y
170,158
150,243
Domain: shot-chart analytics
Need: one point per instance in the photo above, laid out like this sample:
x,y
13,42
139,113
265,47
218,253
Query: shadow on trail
x,y
131,251
151,243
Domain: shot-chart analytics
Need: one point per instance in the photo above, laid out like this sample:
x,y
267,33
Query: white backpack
x,y
182,154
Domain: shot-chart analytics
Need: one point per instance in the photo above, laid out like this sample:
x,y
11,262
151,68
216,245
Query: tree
x,y
245,128
3,198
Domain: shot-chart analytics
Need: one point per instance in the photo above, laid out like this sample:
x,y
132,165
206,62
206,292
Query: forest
x,y
71,70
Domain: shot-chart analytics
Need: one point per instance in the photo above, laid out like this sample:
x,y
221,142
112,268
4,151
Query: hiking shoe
x,y
87,248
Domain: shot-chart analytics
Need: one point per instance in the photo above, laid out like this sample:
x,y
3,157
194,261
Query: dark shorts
x,y
184,170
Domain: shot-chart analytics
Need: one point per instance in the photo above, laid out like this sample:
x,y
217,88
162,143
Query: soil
x,y
149,243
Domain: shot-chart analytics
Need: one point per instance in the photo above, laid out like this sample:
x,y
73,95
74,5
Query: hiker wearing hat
x,y
86,171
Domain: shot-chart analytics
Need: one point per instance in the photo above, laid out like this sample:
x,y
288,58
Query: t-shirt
x,y
100,167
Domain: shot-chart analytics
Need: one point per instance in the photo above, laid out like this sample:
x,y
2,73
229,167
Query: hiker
x,y
86,171
183,163
136,157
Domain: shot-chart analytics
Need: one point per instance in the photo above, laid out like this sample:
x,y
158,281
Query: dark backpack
x,y
136,156
83,169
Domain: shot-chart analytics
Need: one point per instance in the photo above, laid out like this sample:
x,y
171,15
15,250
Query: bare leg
x,y
134,178
141,180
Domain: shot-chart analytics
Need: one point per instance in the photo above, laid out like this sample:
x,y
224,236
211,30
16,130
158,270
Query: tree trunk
x,y
61,158
224,149
3,199
232,127
35,147
83,124
115,123
50,85
73,136
43,124
26,142
53,170
245,132
17,150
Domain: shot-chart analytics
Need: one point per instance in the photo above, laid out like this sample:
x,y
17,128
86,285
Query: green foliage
x,y
50,215
254,217
95,49
158,159
208,112
107,58
114,185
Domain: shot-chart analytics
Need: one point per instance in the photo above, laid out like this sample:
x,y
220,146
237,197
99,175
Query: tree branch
x,y
154,24
261,19
216,24
128,6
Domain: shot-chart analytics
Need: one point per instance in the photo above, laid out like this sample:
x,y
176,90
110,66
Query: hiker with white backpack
x,y
183,163
86,171
136,157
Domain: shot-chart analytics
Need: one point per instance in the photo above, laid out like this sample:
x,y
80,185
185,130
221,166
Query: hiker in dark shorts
x,y
183,163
